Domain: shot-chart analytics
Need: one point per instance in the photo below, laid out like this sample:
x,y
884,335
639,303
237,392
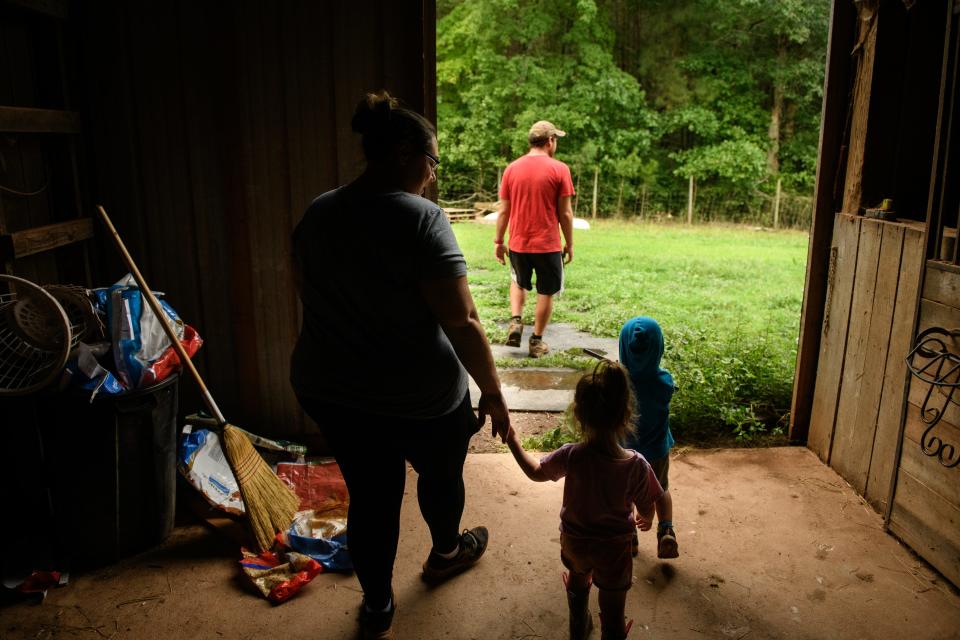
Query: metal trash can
x,y
114,461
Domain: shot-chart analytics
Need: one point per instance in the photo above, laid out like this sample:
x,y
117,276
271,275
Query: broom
x,y
270,504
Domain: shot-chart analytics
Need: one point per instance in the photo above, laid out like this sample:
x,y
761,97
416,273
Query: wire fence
x,y
624,200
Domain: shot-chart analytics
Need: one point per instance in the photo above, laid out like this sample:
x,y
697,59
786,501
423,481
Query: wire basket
x,y
85,324
35,337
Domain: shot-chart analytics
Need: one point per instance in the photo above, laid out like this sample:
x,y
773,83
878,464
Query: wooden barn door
x,y
867,331
925,510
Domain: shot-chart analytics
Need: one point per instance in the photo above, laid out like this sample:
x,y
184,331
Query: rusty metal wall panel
x,y
212,128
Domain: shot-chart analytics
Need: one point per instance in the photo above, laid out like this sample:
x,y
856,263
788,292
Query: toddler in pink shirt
x,y
604,483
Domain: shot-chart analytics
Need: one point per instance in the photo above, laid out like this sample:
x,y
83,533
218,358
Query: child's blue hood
x,y
641,347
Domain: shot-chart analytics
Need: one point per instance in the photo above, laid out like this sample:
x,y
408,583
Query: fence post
x,y
596,178
643,200
690,202
576,198
776,205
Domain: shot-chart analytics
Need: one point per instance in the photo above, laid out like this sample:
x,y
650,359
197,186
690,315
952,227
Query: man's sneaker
x,y
538,348
667,544
377,625
472,545
514,332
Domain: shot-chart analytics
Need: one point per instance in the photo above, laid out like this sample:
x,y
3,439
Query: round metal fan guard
x,y
35,337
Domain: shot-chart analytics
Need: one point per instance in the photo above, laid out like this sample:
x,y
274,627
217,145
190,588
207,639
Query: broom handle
x,y
162,316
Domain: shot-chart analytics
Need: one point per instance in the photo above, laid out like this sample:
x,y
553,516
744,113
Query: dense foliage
x,y
650,92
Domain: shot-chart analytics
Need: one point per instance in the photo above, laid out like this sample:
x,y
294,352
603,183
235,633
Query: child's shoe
x,y
667,544
581,623
472,545
609,632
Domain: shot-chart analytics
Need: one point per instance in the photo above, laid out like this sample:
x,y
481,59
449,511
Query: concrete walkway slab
x,y
773,545
560,337
534,389
538,388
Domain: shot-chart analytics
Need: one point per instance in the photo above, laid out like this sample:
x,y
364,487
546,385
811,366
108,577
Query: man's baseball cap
x,y
544,130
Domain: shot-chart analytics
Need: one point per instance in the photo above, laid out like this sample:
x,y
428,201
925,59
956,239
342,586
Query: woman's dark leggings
x,y
371,451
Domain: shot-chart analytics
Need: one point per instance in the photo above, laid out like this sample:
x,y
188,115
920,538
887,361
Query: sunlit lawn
x,y
728,298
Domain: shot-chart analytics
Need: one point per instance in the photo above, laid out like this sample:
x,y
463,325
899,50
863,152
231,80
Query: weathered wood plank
x,y
934,314
20,244
24,120
942,286
863,84
843,264
852,441
928,523
944,480
890,413
877,350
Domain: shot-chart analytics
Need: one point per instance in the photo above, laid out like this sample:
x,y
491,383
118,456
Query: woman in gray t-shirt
x,y
390,332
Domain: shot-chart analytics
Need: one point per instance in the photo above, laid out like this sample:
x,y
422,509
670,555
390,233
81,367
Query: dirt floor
x,y
773,545
527,423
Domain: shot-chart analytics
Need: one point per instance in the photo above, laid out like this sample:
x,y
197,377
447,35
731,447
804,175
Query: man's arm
x,y
565,217
503,218
452,305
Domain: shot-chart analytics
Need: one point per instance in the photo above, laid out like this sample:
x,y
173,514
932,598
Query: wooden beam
x,y
941,141
829,159
52,8
23,120
866,52
19,244
429,108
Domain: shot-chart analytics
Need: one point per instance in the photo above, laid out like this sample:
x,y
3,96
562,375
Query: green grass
x,y
728,299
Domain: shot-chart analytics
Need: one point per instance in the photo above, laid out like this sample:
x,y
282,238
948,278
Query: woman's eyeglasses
x,y
434,160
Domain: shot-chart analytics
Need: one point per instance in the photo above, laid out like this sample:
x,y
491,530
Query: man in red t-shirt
x,y
535,195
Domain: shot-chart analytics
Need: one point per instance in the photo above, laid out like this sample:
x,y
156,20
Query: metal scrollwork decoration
x,y
932,362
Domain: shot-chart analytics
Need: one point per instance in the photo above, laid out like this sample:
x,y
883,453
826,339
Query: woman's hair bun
x,y
373,112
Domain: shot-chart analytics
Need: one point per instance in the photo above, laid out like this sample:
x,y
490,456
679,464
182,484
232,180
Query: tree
x,y
650,91
732,77
502,65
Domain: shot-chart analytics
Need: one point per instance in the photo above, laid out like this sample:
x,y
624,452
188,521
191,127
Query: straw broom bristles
x,y
270,504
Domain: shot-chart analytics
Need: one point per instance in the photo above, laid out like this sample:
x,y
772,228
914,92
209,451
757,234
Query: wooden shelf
x,y
23,120
39,239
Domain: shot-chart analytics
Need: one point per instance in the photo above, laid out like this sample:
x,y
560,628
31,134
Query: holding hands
x,y
493,405
645,520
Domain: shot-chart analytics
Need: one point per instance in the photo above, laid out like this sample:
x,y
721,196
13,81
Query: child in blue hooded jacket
x,y
641,348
